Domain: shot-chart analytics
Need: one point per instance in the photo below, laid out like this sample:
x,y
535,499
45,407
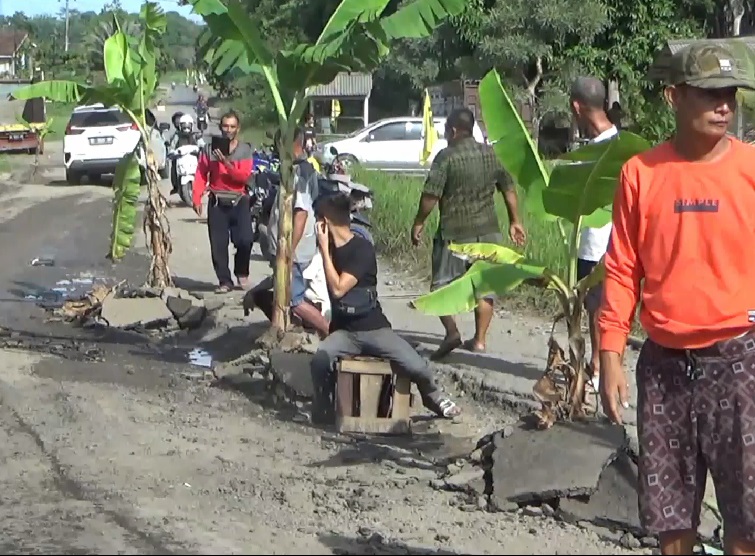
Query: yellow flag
x,y
335,108
428,131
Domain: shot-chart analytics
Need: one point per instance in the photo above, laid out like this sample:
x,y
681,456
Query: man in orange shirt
x,y
682,239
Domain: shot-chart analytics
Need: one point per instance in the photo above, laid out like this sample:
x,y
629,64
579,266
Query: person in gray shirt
x,y
304,240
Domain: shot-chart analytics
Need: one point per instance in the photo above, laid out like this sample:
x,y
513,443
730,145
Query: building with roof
x,y
349,88
11,59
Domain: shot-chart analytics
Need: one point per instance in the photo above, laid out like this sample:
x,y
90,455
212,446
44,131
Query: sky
x,y
51,7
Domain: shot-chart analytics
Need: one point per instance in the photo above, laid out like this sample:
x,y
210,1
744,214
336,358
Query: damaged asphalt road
x,y
112,441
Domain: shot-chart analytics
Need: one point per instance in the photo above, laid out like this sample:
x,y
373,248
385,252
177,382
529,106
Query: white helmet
x,y
186,123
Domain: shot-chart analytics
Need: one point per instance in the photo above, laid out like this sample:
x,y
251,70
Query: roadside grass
x,y
5,164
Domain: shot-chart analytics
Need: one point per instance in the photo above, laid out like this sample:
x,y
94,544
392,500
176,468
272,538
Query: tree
x,y
532,44
626,49
131,83
577,192
356,38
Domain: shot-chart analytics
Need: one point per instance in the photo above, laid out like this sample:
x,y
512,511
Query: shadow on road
x,y
374,543
408,452
479,360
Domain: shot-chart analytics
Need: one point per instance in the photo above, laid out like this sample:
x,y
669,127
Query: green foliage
x,y
131,80
579,189
88,31
355,38
126,188
512,143
627,48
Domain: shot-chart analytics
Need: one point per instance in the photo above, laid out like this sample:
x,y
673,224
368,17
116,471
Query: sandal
x,y
444,407
445,347
223,288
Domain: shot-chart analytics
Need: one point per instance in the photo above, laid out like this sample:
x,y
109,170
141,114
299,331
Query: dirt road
x,y
111,443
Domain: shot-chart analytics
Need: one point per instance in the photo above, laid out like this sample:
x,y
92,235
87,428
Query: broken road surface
x,y
111,444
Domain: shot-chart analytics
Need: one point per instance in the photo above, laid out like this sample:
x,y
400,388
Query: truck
x,y
15,134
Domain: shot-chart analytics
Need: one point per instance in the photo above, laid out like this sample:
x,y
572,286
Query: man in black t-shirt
x,y
358,325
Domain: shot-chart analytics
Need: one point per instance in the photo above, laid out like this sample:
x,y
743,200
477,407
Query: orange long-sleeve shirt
x,y
683,240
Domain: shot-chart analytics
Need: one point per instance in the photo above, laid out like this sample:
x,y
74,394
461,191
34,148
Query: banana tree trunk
x,y
156,228
576,394
284,254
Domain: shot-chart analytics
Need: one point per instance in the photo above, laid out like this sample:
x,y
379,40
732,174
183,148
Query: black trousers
x,y
230,221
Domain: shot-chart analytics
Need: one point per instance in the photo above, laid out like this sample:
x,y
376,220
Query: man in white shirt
x,y
587,100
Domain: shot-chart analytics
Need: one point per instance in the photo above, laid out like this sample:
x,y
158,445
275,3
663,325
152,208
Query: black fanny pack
x,y
357,302
226,198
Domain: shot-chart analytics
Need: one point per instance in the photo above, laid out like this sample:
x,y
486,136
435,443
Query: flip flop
x,y
445,347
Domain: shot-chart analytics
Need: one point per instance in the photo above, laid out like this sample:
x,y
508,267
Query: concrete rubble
x,y
565,460
148,308
124,312
283,363
584,473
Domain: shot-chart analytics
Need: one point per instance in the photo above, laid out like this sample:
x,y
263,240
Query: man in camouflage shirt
x,y
462,181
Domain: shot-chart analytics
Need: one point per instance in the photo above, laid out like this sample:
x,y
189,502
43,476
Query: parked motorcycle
x,y
186,159
263,187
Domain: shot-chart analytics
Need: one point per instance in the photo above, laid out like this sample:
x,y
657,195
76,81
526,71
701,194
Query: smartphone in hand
x,y
222,144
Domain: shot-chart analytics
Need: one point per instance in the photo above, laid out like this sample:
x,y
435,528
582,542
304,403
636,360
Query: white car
x,y
391,144
98,137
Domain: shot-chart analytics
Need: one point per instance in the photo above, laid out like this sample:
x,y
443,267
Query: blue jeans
x,y
298,285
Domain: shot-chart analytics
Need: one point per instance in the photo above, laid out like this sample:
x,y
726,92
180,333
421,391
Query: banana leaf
x,y
420,18
154,23
126,188
482,279
490,252
350,12
224,45
586,187
355,39
513,145
120,70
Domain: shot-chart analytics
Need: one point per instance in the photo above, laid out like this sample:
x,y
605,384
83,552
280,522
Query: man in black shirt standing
x,y
358,325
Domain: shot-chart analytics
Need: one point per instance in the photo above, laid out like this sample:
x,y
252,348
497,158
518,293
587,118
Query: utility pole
x,y
65,47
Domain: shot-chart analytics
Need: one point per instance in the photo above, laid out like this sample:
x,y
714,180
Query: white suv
x,y
97,138
391,144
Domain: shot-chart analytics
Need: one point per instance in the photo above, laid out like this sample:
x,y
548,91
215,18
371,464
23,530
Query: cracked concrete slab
x,y
614,503
135,311
292,369
565,460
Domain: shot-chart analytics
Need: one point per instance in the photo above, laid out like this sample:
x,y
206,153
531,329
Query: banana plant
x,y
356,38
42,130
131,81
576,191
